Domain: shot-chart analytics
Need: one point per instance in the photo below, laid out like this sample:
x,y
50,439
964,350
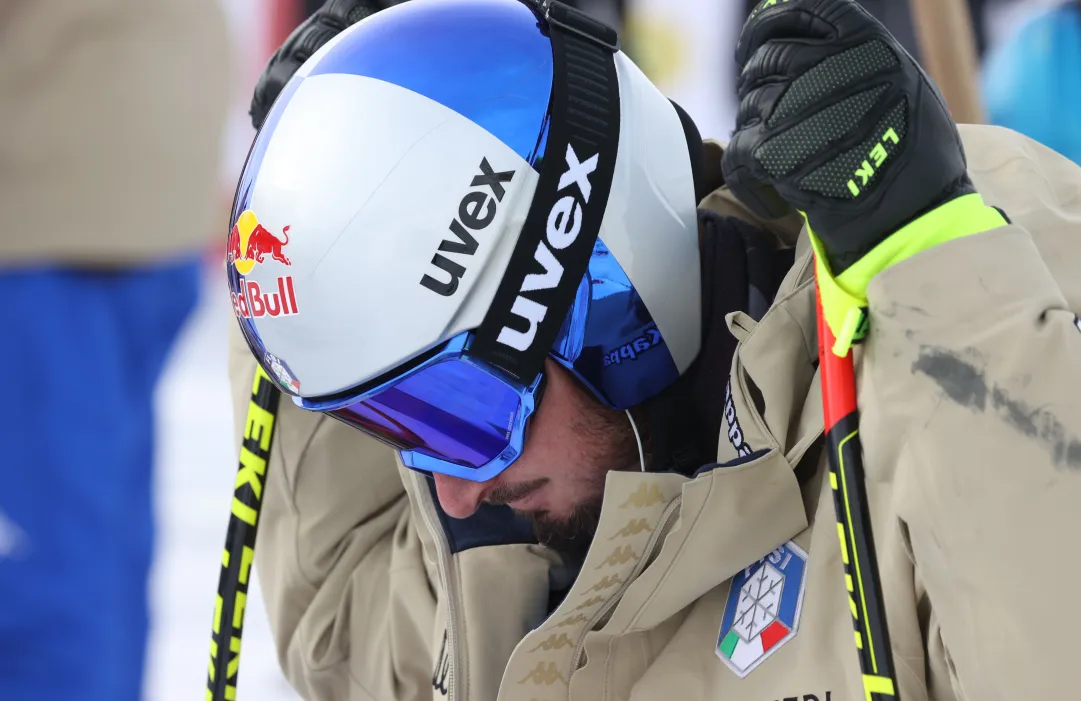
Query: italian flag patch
x,y
762,610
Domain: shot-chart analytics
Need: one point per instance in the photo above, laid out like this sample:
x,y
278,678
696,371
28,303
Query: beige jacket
x,y
972,434
111,119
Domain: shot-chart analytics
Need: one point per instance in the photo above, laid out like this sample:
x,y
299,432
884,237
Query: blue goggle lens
x,y
451,416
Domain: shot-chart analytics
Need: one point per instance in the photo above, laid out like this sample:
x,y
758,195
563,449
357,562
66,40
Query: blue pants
x,y
80,355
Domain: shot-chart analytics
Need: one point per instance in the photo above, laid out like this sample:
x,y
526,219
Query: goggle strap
x,y
571,197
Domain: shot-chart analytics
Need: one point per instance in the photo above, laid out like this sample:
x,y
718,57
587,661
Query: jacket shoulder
x,y
1038,189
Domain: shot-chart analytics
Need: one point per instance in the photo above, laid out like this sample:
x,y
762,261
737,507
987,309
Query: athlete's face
x,y
571,444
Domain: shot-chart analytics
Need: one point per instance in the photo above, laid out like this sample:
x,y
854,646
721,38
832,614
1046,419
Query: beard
x,y
570,536
612,446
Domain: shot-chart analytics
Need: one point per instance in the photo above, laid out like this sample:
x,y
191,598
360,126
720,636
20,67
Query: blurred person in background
x,y
1032,80
111,116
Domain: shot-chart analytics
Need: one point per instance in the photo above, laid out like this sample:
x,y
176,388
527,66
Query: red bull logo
x,y
249,245
250,242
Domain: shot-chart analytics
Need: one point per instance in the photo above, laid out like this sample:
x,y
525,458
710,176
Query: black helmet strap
x,y
564,219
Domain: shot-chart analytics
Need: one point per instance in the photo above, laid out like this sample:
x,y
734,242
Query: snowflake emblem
x,y
762,610
759,602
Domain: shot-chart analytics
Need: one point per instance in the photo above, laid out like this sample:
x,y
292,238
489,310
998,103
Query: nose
x,y
459,498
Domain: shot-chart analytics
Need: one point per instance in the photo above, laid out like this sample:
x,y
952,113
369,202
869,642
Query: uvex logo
x,y
564,223
476,211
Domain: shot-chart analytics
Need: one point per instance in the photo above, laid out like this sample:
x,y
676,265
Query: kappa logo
x,y
564,224
735,433
571,620
476,211
619,556
632,349
589,603
646,495
763,609
544,674
555,641
633,527
606,582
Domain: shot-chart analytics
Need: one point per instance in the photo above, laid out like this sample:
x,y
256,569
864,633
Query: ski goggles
x,y
446,413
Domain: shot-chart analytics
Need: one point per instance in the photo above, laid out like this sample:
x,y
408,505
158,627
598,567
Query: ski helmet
x,y
490,181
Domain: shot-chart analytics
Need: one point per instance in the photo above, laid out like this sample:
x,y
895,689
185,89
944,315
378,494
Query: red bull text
x,y
249,244
254,303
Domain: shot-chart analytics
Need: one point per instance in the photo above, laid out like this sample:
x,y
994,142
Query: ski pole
x,y
236,563
842,421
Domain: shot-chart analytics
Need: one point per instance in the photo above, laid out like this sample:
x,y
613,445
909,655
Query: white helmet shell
x,y
385,194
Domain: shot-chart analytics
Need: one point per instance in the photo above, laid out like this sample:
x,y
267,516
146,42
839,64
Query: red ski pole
x,y
842,426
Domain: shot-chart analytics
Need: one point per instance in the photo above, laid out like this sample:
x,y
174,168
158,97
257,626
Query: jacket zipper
x,y
651,544
456,674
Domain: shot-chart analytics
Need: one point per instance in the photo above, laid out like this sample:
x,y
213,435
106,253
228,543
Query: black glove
x,y
326,23
836,120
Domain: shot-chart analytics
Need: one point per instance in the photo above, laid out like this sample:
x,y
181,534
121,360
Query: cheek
x,y
565,458
572,460
574,486
552,449
549,433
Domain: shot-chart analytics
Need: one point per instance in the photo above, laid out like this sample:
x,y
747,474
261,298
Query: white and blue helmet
x,y
491,171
